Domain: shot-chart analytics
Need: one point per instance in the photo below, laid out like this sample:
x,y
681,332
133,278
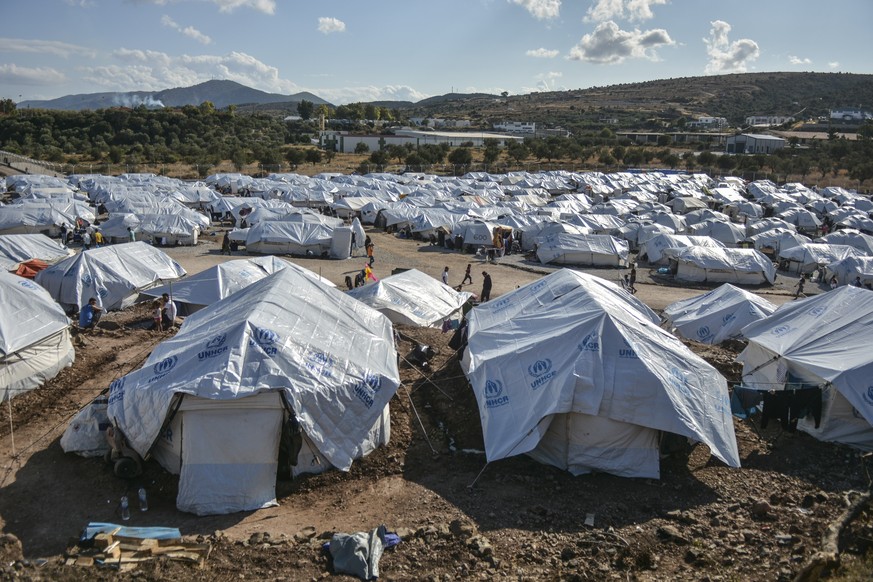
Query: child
x,y
156,314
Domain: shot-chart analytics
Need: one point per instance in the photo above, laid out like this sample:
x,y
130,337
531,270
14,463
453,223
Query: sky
x,y
349,50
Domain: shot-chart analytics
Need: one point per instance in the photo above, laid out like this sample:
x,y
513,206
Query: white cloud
x,y
541,9
726,56
265,6
81,3
609,44
542,53
52,47
188,31
14,75
633,10
153,71
834,65
328,25
370,93
794,60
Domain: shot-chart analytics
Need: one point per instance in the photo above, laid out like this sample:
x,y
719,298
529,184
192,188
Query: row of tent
x,y
569,369
567,215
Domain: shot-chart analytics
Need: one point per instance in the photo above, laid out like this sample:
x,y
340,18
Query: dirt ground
x,y
522,520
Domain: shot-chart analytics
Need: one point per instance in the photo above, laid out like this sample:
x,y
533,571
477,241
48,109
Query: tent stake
x,y
420,423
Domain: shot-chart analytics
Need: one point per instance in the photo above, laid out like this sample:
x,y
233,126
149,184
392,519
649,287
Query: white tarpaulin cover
x,y
576,345
721,265
654,247
215,283
34,336
412,298
808,256
287,237
331,356
114,275
824,340
582,249
716,316
18,248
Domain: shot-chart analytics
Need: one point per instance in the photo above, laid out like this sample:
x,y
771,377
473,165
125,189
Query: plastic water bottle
x,y
125,508
143,500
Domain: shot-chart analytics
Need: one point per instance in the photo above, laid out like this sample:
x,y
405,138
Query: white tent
x,y
653,249
849,268
576,372
211,285
34,336
239,368
716,316
289,237
720,265
412,298
114,275
582,249
821,341
727,233
804,258
18,248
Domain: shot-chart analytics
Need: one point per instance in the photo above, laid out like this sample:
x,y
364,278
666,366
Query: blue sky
x,y
349,50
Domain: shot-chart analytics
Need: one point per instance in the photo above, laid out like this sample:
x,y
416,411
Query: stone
x,y
761,509
671,534
462,529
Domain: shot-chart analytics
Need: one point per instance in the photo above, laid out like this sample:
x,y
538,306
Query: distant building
x,y
441,123
753,143
652,137
768,120
707,122
850,114
528,127
346,142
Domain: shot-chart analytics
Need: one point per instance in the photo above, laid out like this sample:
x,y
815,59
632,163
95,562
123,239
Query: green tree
x,y
313,156
379,158
727,162
305,109
461,157
361,148
295,157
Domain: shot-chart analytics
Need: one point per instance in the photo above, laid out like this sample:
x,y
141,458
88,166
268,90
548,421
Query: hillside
x,y
731,96
221,93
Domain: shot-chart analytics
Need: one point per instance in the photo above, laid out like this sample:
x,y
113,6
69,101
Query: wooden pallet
x,y
125,553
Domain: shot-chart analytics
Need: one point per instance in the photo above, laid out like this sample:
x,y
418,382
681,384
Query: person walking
x,y
86,241
631,280
486,287
225,244
98,239
446,276
467,276
370,258
800,283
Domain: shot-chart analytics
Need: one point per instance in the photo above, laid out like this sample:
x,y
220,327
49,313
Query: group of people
x,y
485,295
163,313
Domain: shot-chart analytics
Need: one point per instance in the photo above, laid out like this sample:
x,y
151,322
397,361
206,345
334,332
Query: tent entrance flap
x,y
229,458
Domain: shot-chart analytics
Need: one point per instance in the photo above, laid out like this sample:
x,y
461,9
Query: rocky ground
x,y
458,516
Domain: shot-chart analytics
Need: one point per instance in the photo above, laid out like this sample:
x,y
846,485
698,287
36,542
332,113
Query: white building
x,y
517,126
768,120
753,143
703,122
850,114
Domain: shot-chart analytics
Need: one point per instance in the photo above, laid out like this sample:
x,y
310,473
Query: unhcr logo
x,y
87,280
628,352
590,343
703,331
677,381
102,292
266,339
163,368
500,304
729,317
116,390
780,330
817,311
214,347
494,396
542,372
367,388
28,284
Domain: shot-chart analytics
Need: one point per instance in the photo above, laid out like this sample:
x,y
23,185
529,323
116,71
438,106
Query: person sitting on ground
x,y
89,315
857,281
834,282
168,311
